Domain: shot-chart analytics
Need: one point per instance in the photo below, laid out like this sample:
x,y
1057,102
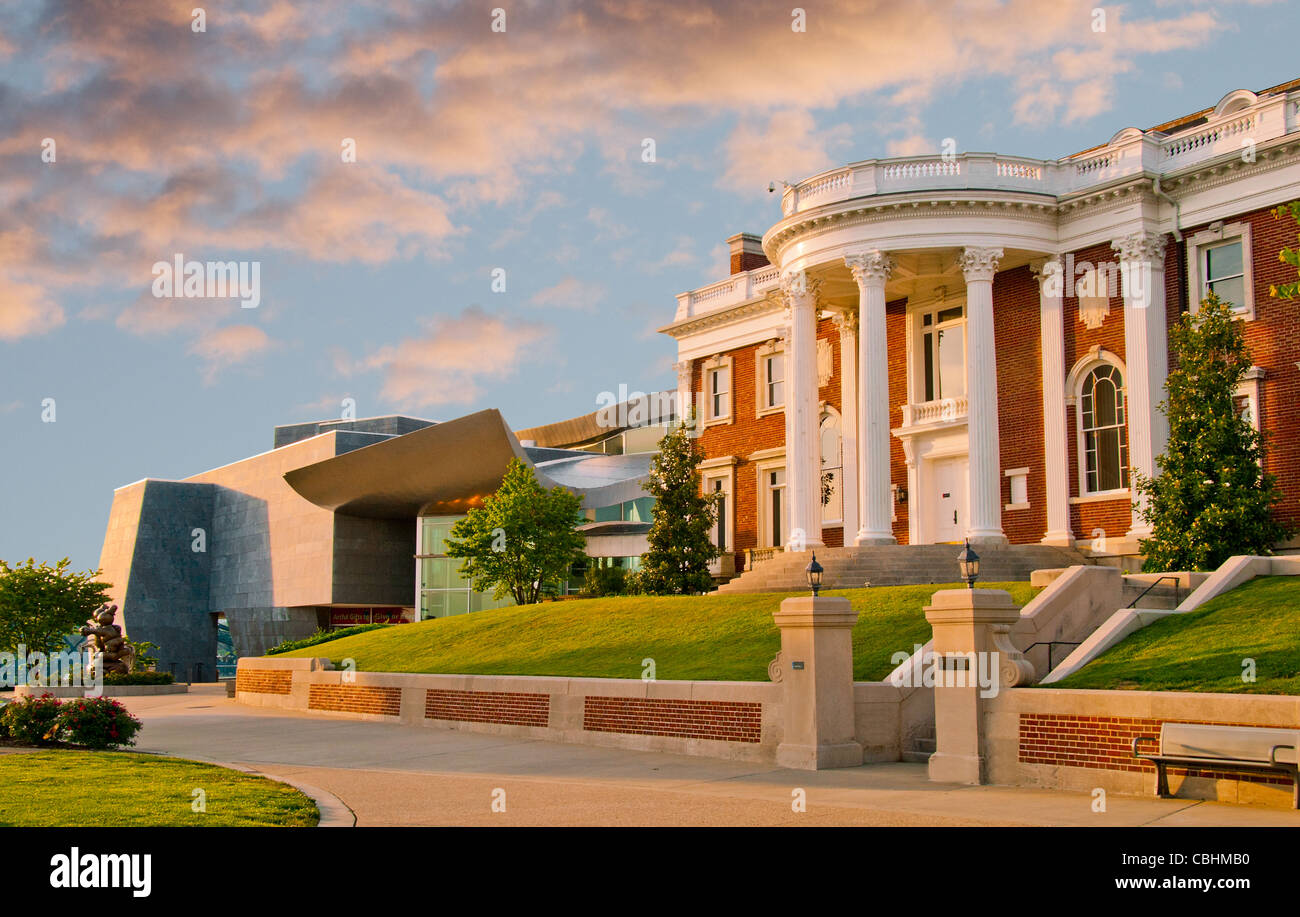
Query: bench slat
x,y
1233,743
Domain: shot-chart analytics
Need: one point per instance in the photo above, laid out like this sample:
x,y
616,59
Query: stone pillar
x,y
802,445
974,660
848,325
871,270
985,523
1051,316
1146,353
816,667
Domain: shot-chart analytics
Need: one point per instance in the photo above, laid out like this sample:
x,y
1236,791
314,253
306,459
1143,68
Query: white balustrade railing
x,y
942,410
1131,153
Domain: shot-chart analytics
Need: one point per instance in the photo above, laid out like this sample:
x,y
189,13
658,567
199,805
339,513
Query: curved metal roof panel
x,y
451,467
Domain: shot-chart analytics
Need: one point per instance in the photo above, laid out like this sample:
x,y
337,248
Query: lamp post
x,y
814,571
969,563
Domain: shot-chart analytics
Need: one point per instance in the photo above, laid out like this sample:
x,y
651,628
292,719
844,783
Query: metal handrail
x,y
1049,644
1157,582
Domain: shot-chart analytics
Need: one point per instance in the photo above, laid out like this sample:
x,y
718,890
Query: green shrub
x,y
321,636
602,581
31,719
95,722
139,678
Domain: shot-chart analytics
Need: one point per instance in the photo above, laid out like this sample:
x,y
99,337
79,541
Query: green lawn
x,y
57,788
709,638
1204,650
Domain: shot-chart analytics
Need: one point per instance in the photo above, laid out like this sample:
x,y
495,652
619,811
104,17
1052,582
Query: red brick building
x,y
927,349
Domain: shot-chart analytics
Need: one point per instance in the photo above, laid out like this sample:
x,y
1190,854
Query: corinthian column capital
x,y
871,266
799,288
846,321
1141,247
979,263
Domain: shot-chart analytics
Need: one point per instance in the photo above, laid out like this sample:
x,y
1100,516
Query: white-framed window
x,y
1018,483
1247,396
717,477
942,346
769,382
831,437
1219,261
717,390
773,509
1103,430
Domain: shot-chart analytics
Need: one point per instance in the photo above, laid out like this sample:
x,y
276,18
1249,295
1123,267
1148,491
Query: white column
x,y
685,395
985,523
1146,354
802,448
871,270
1051,316
848,325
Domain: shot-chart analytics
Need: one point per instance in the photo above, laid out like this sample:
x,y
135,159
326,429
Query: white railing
x,y
1132,152
942,410
736,289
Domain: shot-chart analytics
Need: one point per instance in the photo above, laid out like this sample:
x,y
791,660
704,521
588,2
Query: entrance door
x,y
949,516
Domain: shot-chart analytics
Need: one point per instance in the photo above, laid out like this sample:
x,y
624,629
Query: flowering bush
x,y
30,719
95,722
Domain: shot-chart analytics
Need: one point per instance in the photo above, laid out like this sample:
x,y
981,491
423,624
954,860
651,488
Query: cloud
x,y
228,346
450,363
786,147
229,140
570,293
26,309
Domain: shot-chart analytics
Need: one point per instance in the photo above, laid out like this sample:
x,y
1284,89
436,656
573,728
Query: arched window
x,y
1104,429
832,476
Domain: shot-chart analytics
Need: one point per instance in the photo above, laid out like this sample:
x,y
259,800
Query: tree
x,y
1287,255
1211,498
523,539
681,535
40,603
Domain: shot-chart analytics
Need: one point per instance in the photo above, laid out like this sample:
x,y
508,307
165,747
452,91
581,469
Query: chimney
x,y
746,252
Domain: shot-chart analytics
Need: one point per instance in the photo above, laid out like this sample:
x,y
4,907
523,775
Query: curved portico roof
x,y
446,468
449,468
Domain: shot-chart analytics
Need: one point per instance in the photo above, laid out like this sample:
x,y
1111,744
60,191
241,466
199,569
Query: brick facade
x,y
355,699
512,708
723,721
1106,742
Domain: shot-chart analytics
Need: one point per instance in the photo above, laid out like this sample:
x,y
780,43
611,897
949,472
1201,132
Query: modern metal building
x,y
343,522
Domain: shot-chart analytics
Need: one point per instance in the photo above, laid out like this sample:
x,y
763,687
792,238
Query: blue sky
x,y
475,150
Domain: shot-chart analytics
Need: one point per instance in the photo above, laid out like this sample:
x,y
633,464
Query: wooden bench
x,y
1208,747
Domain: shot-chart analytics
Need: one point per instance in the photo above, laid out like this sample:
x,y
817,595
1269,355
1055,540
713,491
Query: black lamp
x,y
969,562
814,572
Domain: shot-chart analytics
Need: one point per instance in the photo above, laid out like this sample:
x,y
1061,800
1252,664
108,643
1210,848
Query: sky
x,y
382,164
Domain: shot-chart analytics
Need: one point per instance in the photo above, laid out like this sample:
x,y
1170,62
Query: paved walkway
x,y
400,775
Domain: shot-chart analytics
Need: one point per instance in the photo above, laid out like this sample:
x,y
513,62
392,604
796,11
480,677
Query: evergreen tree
x,y
681,536
1211,499
522,540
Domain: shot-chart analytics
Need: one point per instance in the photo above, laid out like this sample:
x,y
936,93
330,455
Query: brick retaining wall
x,y
728,722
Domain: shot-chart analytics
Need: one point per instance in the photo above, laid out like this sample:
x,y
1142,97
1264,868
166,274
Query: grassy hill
x,y
711,638
1204,650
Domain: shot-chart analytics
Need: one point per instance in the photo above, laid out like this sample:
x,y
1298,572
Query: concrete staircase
x,y
1163,596
897,565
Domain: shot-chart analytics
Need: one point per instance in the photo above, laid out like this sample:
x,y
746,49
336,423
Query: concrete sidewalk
x,y
400,775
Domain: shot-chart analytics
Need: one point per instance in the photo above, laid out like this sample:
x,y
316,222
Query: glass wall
x,y
443,591
638,510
